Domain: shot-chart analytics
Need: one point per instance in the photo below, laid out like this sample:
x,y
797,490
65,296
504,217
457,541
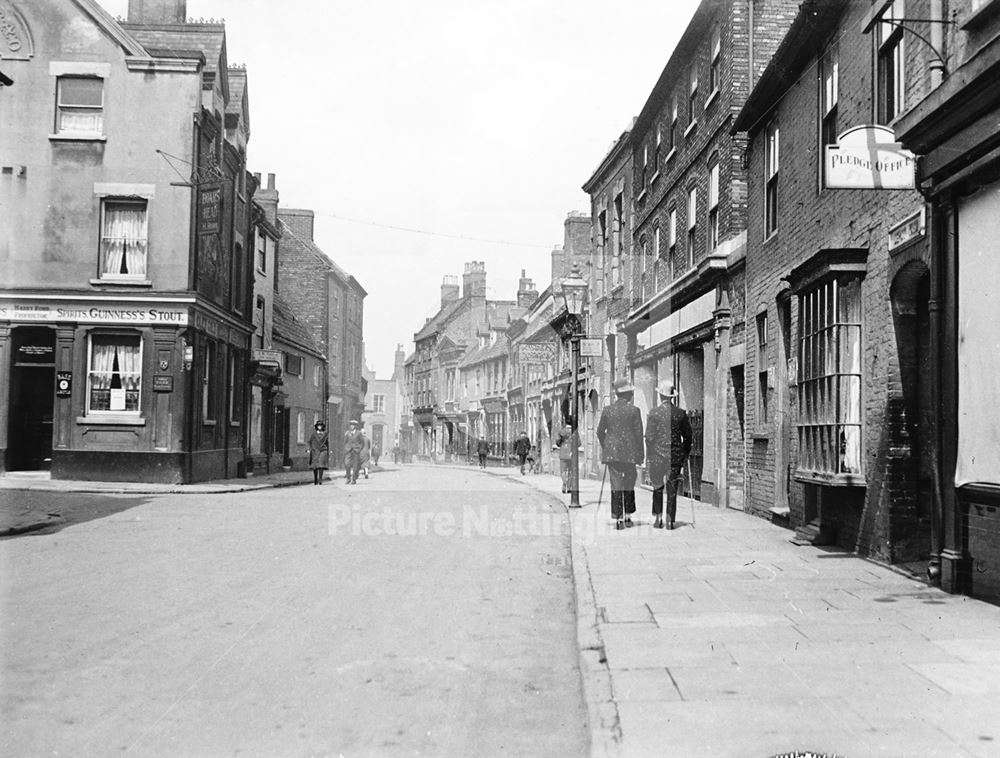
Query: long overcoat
x,y
319,450
620,433
668,436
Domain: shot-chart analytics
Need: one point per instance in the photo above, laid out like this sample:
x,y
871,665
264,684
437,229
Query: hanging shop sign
x,y
868,157
591,348
536,352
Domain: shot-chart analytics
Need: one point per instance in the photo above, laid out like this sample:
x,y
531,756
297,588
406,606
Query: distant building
x,y
124,317
330,303
383,408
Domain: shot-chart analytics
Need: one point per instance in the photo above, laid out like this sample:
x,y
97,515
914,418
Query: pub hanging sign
x,y
210,209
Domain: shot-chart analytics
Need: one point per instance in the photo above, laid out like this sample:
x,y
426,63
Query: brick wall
x,y
810,219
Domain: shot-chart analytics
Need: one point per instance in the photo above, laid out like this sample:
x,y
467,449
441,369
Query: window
x,y
829,389
602,241
713,206
293,364
829,75
715,67
236,386
692,223
672,243
693,93
891,63
261,251
208,382
114,376
617,239
656,151
673,124
645,163
771,179
300,428
123,239
763,373
378,403
317,375
80,106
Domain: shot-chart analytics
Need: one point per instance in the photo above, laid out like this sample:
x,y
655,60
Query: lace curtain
x,y
124,239
115,365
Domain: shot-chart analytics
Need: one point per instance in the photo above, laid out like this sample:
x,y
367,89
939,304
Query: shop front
x,y
124,389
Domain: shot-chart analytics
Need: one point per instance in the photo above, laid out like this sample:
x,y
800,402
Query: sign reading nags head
x,y
868,157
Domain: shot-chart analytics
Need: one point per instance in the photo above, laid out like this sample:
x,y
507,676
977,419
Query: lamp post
x,y
574,291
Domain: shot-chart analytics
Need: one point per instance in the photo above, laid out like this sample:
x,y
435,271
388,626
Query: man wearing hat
x,y
354,442
319,451
668,444
620,434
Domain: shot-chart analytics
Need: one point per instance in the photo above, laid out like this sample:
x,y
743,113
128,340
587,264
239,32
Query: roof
x,y
179,40
681,56
111,27
439,319
289,237
287,328
483,354
807,34
609,162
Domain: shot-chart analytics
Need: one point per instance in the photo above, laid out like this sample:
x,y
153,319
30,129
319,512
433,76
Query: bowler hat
x,y
667,389
353,422
320,425
624,387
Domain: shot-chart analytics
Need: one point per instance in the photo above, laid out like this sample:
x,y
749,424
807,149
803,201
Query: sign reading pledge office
x,y
868,157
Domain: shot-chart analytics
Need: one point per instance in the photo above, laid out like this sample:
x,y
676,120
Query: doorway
x,y
32,401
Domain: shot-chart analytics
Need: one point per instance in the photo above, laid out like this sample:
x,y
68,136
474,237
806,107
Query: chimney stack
x,y
526,292
450,290
267,198
157,11
474,279
299,221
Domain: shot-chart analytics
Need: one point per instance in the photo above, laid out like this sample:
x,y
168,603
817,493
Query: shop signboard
x,y
868,157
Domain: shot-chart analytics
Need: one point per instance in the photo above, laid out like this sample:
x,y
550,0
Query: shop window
x,y
80,106
114,375
829,386
123,239
890,61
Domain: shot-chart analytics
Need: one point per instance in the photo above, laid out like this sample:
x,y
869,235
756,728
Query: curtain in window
x,y
102,365
130,367
124,240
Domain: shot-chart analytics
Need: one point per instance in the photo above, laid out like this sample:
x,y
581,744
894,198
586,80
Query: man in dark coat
x,y
354,442
522,446
668,445
482,450
620,434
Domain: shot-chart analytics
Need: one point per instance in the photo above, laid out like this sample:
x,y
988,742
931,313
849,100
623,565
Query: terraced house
x,y
681,274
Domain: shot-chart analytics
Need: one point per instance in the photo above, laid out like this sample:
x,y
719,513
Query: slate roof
x,y
287,328
483,354
181,40
289,238
439,319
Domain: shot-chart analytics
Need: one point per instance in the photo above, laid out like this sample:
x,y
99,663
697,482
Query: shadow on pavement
x,y
71,509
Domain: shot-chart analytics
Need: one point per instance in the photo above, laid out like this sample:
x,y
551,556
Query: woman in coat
x,y
319,452
366,455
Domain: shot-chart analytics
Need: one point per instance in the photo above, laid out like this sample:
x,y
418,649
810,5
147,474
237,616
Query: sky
x,y
468,125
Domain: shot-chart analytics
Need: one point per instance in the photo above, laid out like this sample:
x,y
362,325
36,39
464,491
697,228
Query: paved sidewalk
x,y
722,638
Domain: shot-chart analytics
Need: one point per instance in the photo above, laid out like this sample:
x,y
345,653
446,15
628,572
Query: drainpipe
x,y
936,66
938,221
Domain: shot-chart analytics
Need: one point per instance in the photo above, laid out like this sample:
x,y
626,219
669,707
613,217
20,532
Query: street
x,y
282,622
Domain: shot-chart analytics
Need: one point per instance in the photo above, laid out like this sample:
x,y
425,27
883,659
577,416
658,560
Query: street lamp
x,y
574,291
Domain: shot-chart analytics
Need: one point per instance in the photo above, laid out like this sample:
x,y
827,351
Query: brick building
x,y
329,302
124,321
953,131
682,277
835,439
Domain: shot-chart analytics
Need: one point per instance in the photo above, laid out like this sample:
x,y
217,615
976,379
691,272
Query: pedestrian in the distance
x,y
565,442
319,451
620,433
366,454
482,450
376,453
668,445
522,446
354,441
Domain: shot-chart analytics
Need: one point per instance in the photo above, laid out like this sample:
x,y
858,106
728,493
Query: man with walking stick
x,y
620,434
668,444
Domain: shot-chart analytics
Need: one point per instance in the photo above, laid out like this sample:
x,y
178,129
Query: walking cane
x,y
600,496
691,487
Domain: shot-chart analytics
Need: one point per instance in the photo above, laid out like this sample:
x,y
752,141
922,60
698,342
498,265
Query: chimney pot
x,y
270,181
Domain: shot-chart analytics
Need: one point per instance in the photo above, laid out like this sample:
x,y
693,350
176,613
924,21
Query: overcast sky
x,y
476,119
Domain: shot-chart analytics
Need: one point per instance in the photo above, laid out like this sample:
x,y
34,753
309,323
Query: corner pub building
x,y
124,324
